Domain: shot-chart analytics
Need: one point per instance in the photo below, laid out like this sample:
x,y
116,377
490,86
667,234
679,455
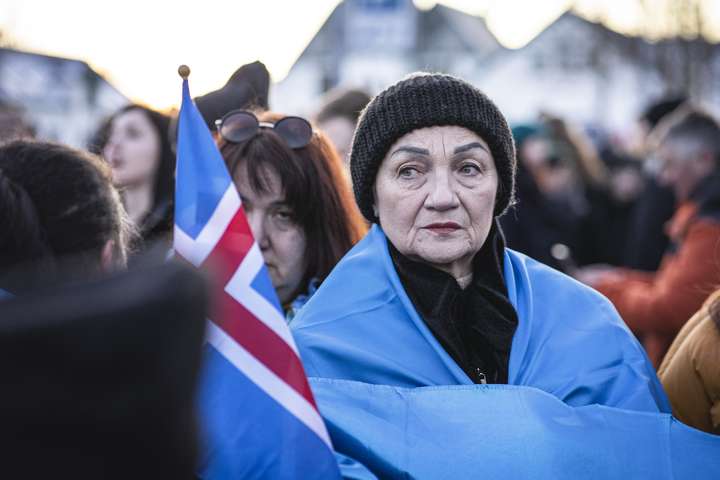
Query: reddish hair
x,y
315,188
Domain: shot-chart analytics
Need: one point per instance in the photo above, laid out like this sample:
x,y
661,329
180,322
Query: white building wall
x,y
573,69
299,91
57,95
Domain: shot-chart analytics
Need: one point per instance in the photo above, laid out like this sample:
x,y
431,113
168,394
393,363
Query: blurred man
x,y
646,241
655,305
338,117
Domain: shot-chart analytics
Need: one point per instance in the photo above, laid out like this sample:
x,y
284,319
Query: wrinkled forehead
x,y
437,140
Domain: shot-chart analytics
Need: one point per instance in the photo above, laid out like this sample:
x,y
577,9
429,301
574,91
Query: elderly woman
x,y
432,298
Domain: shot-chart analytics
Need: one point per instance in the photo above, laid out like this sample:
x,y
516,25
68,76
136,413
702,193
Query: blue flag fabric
x,y
570,342
201,177
257,413
509,432
367,351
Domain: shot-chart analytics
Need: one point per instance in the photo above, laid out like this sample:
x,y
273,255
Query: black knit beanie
x,y
426,100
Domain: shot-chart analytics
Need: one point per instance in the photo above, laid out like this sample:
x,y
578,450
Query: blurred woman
x,y
338,117
137,148
297,201
60,214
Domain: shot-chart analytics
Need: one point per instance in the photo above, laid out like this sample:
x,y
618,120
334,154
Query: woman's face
x,y
281,240
435,195
133,149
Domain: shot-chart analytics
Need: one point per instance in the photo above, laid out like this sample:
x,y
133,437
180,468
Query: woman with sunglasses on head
x,y
297,201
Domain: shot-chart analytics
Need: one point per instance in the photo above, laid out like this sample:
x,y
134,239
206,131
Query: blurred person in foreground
x,y
135,144
338,117
296,199
655,305
690,371
100,365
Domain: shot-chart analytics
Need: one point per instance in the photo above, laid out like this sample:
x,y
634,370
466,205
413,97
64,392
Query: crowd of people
x,y
457,229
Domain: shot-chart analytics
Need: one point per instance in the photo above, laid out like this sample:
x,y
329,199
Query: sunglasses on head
x,y
240,125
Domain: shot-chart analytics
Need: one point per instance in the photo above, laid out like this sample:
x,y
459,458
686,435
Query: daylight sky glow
x,y
138,45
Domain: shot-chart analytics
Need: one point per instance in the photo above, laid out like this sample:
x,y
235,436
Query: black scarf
x,y
475,325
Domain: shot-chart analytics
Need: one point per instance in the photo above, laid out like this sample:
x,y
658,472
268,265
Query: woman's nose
x,y
259,229
109,148
442,196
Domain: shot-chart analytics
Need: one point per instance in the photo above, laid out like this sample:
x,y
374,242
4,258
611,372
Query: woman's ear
x,y
375,211
107,257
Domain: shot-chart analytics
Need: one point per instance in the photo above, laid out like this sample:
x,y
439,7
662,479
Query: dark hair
x,y
344,103
315,189
164,187
56,203
691,125
660,109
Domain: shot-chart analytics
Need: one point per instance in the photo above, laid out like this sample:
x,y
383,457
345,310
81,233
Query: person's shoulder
x,y
563,297
548,277
359,283
704,339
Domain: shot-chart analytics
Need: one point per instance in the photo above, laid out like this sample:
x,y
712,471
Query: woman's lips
x,y
442,227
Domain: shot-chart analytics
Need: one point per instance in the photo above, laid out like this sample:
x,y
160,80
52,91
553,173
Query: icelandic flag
x,y
257,413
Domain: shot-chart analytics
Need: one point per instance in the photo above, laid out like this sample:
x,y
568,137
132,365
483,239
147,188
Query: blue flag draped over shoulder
x,y
257,411
582,400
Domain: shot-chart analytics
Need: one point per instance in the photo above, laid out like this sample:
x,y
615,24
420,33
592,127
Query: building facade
x,y
65,100
574,68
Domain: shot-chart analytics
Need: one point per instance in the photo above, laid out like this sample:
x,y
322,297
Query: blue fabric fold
x,y
570,342
505,431
398,404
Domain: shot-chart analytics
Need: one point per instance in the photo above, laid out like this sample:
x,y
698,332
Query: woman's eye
x,y
408,172
133,133
284,215
469,169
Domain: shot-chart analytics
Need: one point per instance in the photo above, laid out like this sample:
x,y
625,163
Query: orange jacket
x,y
656,305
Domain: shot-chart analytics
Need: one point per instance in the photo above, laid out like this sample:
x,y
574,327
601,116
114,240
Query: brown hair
x,y
345,103
314,186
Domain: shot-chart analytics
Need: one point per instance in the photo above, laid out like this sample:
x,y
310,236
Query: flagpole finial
x,y
184,71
